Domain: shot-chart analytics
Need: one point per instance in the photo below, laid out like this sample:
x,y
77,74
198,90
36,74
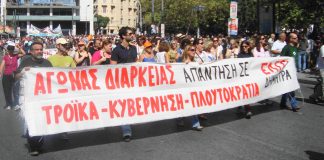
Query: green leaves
x,y
102,21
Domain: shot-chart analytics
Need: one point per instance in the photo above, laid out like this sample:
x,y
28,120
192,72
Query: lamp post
x,y
140,15
86,24
198,9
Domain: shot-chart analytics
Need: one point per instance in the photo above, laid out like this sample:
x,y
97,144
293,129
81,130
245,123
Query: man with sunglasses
x,y
290,50
125,53
61,58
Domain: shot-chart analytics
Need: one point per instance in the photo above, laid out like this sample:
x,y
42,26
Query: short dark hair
x,y
123,31
36,43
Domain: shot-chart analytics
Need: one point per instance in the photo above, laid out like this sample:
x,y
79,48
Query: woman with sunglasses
x,y
148,55
102,57
245,52
172,55
261,49
189,56
82,56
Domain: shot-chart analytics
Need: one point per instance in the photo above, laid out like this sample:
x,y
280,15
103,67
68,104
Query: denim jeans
x,y
127,130
291,97
16,93
302,60
195,121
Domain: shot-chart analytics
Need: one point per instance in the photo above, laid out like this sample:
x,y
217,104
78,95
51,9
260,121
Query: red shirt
x,y
11,64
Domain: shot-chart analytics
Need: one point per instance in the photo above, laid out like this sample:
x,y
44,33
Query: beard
x,y
128,39
38,57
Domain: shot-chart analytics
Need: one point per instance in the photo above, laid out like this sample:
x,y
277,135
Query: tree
x,y
102,21
180,16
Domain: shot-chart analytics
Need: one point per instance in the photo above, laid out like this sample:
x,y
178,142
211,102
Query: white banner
x,y
233,9
62,100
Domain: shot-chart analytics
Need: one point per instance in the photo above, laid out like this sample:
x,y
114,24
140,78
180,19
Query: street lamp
x,y
86,24
198,8
140,15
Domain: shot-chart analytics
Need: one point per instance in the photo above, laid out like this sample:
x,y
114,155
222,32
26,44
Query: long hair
x,y
246,43
164,47
258,44
186,53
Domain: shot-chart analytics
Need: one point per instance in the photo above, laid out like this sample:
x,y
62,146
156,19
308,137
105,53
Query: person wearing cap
x,y
125,53
61,58
82,56
148,55
8,66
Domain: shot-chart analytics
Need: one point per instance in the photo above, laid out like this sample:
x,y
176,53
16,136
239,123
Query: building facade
x,y
120,13
74,16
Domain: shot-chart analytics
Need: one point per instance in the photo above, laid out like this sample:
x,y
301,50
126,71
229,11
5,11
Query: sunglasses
x,y
192,49
262,38
81,45
65,45
215,40
245,46
294,38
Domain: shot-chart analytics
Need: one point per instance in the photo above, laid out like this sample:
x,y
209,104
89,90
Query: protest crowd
x,y
127,47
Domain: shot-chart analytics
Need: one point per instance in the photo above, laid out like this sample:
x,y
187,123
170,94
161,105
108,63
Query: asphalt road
x,y
270,134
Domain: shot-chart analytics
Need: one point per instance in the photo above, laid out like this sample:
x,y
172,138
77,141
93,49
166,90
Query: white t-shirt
x,y
278,45
206,57
160,57
262,53
320,60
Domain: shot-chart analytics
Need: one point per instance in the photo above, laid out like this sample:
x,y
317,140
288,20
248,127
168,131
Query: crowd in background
x,y
75,51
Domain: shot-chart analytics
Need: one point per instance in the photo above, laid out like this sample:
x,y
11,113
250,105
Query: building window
x,y
112,9
121,20
129,22
111,20
104,9
104,1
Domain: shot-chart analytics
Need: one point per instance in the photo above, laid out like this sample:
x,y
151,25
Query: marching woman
x,y
102,57
245,52
8,66
172,55
82,56
148,55
261,48
189,56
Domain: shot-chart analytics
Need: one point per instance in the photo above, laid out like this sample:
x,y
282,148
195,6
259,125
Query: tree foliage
x,y
102,21
180,16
